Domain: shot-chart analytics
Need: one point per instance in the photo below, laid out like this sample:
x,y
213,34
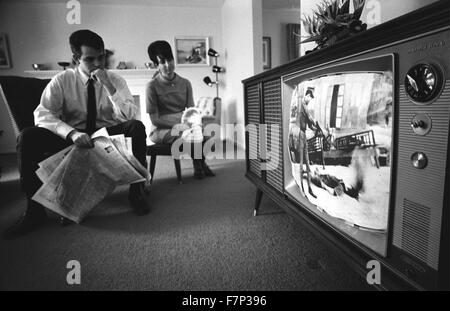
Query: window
x,y
334,110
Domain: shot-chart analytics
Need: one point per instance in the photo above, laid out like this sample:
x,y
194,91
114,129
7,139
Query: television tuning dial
x,y
423,83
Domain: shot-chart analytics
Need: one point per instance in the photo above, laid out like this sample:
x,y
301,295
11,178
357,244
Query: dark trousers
x,y
35,144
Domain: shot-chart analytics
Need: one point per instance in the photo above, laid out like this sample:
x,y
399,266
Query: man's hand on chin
x,y
81,140
103,78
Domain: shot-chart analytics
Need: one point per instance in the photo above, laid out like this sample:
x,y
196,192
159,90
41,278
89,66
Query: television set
x,y
360,136
339,145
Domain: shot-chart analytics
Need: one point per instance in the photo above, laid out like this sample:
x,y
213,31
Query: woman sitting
x,y
168,95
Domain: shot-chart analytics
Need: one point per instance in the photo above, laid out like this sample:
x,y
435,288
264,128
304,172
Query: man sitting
x,y
74,105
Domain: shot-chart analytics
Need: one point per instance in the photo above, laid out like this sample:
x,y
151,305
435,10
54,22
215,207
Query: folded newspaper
x,y
76,179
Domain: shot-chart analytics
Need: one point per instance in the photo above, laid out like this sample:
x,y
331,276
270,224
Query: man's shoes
x,y
139,204
198,170
206,170
137,199
28,222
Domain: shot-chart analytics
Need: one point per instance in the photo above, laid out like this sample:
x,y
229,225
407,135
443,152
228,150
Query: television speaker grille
x,y
416,229
253,117
273,120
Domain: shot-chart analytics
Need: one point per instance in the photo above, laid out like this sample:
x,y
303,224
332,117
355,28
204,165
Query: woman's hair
x,y
87,38
159,48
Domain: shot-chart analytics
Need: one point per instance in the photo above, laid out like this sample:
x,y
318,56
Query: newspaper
x,y
76,179
49,165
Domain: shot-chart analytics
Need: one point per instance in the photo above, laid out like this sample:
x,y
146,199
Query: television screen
x,y
339,131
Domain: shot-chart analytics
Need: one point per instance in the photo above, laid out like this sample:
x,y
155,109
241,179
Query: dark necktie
x,y
91,108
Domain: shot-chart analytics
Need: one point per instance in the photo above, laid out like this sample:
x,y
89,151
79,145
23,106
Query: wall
x,y
242,39
389,9
274,26
38,33
375,12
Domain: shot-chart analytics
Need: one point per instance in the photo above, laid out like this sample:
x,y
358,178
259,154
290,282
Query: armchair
x,y
210,108
21,96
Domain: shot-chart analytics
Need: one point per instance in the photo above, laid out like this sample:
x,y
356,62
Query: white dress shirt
x,y
63,105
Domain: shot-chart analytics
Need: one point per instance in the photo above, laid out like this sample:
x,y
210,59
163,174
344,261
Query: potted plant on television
x,y
332,22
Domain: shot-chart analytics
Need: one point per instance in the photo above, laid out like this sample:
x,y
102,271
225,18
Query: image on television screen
x,y
339,145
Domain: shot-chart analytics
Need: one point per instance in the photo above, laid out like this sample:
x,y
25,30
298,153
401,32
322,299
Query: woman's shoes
x,y
206,170
198,170
201,169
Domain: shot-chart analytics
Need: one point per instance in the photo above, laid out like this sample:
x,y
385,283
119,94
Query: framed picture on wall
x,y
191,51
5,61
267,53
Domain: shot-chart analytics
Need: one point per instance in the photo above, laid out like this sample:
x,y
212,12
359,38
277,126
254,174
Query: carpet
x,y
199,236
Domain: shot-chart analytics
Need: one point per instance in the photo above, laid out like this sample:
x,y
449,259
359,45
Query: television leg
x,y
259,194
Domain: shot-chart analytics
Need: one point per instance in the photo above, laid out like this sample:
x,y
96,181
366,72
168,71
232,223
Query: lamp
x,y
213,53
209,82
216,69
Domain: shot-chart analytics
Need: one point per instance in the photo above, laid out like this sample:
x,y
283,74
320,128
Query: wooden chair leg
x,y
178,170
152,167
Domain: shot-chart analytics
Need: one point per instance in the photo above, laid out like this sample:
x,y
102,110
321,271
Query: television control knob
x,y
416,124
419,160
421,124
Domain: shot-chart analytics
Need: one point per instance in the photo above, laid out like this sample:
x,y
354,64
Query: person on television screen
x,y
305,120
77,102
168,95
388,111
294,129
